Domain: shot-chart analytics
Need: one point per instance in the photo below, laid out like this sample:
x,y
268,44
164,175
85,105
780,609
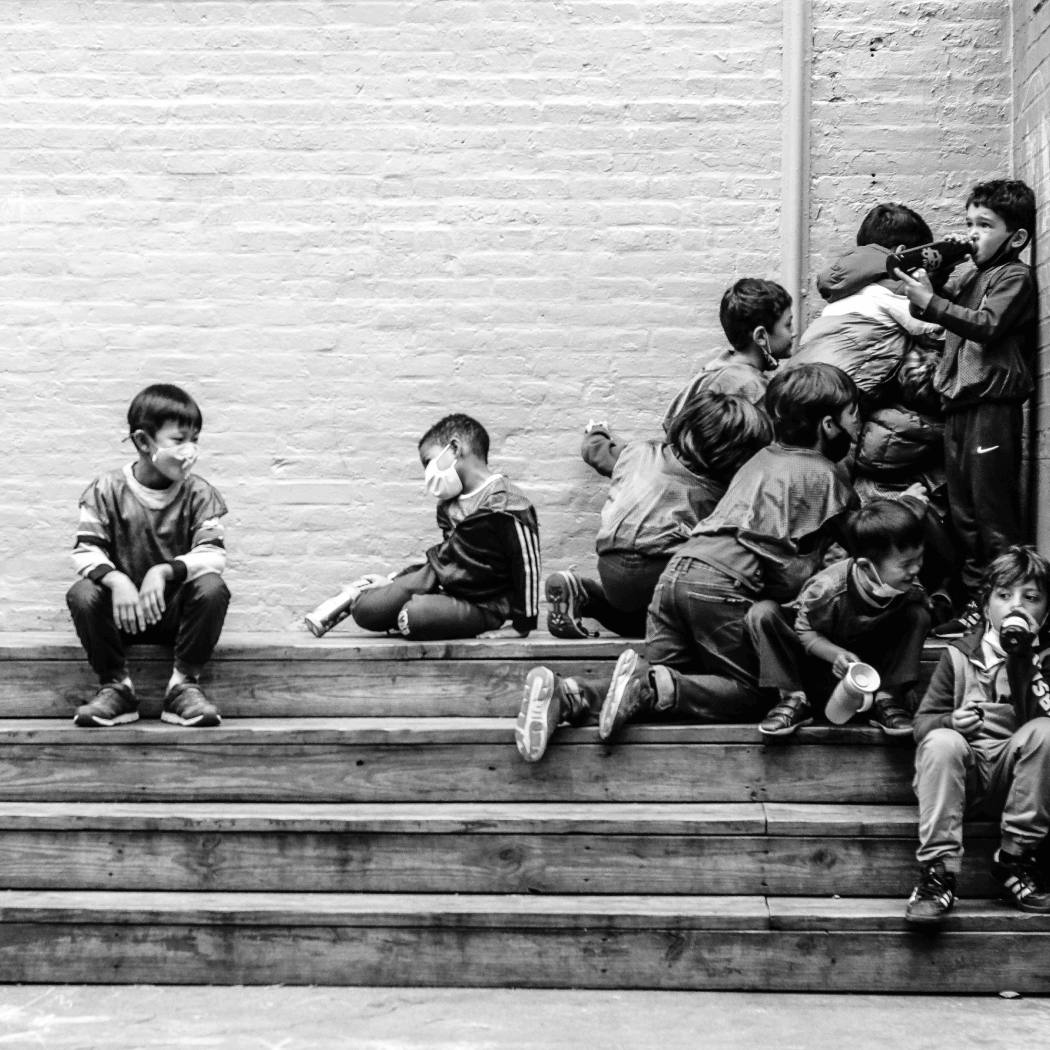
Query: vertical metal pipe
x,y
794,179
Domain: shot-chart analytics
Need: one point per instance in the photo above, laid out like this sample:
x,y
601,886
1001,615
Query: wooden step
x,y
46,676
552,848
724,943
441,760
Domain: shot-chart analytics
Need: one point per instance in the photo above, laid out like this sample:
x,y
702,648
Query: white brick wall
x,y
334,222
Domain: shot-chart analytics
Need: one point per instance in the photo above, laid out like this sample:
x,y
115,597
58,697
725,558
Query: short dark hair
x,y
891,225
1017,564
163,403
717,434
749,303
1011,199
798,398
883,526
461,426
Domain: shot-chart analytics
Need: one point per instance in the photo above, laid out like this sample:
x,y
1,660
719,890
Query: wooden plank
x,y
450,862
849,820
476,818
194,767
722,960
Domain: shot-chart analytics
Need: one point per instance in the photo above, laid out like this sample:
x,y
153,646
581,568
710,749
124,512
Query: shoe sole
x,y
893,733
931,921
788,730
94,722
622,674
562,619
536,722
204,721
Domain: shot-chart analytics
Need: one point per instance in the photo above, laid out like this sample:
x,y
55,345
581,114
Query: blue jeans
x,y
696,628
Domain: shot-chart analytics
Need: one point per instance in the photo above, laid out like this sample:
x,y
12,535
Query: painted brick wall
x,y
334,222
1032,163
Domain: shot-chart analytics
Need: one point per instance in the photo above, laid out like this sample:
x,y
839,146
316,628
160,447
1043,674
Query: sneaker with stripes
x,y
1021,881
933,898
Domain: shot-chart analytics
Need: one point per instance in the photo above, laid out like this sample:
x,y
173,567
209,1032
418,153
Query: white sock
x,y
177,678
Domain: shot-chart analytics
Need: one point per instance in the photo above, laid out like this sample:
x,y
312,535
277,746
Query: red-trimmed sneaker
x,y
115,704
933,898
186,705
630,694
548,700
566,599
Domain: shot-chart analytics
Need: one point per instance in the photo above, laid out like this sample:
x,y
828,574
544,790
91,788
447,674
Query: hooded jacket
x,y
493,553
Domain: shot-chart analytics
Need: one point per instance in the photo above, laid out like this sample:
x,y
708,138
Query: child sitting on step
x,y
983,730
869,608
659,491
150,555
767,536
485,570
757,319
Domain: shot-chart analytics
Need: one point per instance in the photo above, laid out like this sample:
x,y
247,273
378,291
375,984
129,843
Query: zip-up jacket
x,y
989,316
1026,681
493,553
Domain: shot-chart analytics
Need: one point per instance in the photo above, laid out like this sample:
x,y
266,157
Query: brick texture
x,y
334,222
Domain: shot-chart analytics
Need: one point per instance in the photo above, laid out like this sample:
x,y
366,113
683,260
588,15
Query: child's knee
x,y
413,616
86,597
1038,734
762,615
942,746
210,590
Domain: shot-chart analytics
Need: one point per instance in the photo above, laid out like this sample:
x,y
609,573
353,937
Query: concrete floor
x,y
122,1018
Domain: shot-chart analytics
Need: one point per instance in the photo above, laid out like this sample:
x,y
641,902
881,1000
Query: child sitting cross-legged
x,y
767,536
659,491
485,570
869,608
983,730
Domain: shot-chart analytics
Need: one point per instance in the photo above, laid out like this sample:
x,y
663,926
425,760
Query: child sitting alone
x,y
659,491
485,570
983,730
150,553
869,608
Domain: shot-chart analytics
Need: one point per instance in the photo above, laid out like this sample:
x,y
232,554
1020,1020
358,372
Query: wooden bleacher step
x,y
578,941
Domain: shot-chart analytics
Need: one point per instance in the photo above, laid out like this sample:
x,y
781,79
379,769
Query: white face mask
x,y
175,461
875,584
443,483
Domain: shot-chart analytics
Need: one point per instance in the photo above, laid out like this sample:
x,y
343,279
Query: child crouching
x,y
660,490
485,570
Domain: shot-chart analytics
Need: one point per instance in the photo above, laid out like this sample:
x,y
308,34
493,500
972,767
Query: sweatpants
x,y
619,601
894,649
413,604
982,459
955,776
192,622
696,629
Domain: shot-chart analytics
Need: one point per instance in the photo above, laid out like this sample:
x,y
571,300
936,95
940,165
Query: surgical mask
x,y
175,461
443,483
876,587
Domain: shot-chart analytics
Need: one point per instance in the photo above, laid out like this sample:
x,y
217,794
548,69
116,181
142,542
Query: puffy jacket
x,y
855,268
896,441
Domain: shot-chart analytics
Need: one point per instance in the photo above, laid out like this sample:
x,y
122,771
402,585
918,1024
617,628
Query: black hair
x,y
1011,199
798,398
716,434
163,403
1017,564
749,303
883,526
891,225
461,426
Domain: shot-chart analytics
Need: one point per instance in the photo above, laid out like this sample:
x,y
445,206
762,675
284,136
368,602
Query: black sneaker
x,y
630,694
1021,881
792,711
566,599
891,717
933,898
115,704
186,705
962,624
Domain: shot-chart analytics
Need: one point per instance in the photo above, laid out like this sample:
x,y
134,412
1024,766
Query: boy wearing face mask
x,y
983,730
870,608
150,553
485,570
988,311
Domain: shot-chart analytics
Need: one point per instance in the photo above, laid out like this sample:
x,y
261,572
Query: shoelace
x,y
934,887
1023,881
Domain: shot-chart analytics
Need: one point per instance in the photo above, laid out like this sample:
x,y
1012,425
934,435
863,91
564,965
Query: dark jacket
x,y
989,316
1026,676
492,553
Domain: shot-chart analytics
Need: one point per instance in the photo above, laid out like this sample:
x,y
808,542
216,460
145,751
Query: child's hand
x,y
127,613
151,593
842,662
916,286
967,720
596,424
918,491
505,632
958,238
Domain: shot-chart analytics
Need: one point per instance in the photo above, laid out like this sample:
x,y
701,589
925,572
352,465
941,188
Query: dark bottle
x,y
941,256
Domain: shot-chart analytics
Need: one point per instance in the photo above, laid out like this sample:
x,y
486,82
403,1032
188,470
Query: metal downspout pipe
x,y
794,177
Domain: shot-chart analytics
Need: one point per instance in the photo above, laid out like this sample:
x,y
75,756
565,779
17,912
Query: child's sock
x,y
177,678
126,680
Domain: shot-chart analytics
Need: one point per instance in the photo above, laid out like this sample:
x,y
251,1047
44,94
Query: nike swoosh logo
x,y
990,448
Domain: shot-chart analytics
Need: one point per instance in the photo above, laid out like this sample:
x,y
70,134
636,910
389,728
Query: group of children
x,y
800,514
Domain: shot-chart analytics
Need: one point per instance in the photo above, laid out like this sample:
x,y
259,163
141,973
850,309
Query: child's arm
x,y
822,647
938,705
1005,300
522,545
600,449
